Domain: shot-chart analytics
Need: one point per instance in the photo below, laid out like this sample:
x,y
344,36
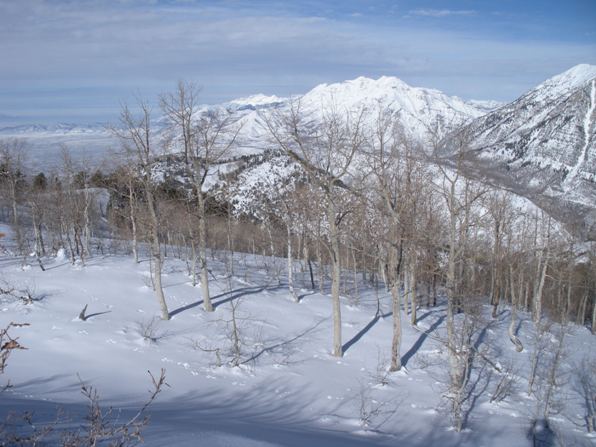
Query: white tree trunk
x,y
519,347
156,255
207,305
291,266
157,265
406,279
538,295
87,229
413,292
133,220
193,253
335,280
396,339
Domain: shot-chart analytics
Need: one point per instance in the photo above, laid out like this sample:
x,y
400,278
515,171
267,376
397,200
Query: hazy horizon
x,y
76,61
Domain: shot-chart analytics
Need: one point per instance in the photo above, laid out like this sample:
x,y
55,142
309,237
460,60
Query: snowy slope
x,y
258,100
289,391
543,144
485,105
418,109
554,115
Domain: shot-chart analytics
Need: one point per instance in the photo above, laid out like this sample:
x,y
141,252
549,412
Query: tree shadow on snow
x,y
428,314
283,343
347,345
229,296
304,295
275,412
418,344
282,415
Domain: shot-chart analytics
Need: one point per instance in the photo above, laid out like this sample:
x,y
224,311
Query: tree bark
x,y
291,288
335,279
413,315
156,255
519,347
396,339
133,219
207,305
539,289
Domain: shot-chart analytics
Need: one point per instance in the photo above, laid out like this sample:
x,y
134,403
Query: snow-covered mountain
x,y
419,110
542,145
485,105
258,100
53,129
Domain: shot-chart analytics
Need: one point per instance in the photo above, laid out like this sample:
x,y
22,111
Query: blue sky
x,y
77,61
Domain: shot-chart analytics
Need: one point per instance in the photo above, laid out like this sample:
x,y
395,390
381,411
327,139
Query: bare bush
x,y
100,427
238,349
27,295
370,409
7,345
150,330
587,380
197,346
506,383
103,426
381,373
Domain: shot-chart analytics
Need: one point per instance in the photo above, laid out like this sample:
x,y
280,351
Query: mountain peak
x,y
570,79
416,107
258,100
365,81
543,145
382,85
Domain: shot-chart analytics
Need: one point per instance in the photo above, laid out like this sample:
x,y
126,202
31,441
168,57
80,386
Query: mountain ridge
x,y
543,144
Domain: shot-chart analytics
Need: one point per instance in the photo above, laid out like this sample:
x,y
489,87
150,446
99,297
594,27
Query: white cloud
x,y
442,12
104,50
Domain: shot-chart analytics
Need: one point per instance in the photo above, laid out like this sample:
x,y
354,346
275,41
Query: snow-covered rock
x,y
542,145
417,109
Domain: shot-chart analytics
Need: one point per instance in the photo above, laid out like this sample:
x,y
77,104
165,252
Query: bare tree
x,y
387,160
542,266
460,196
325,149
137,138
36,198
206,140
498,205
12,180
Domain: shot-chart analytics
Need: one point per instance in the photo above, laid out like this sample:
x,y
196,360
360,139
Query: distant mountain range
x,y
541,145
54,129
416,108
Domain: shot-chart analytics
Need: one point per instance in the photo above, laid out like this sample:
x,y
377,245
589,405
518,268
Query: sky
x,y
79,61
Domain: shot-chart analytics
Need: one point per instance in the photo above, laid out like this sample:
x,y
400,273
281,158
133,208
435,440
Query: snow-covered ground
x,y
288,391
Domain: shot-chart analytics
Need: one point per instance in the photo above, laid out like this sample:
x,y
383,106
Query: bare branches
x,y
103,426
26,295
8,344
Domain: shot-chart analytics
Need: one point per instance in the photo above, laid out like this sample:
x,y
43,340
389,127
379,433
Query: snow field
x,y
288,390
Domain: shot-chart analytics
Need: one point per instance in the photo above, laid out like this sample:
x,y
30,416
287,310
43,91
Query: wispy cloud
x,y
442,12
86,56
